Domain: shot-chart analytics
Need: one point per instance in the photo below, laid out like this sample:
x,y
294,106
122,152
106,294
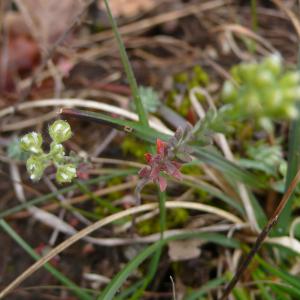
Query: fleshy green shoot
x,y
264,91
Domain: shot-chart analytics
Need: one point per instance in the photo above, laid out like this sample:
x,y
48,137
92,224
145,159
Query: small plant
x,y
168,159
59,131
263,91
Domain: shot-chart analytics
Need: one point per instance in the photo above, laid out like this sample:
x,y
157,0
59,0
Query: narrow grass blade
x,y
283,275
81,294
156,257
210,189
128,69
62,191
257,276
211,285
112,288
293,166
107,204
130,127
225,166
285,292
260,215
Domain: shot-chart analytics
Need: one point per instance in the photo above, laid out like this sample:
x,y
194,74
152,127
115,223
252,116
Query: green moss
x,y
133,147
190,169
175,218
113,182
183,83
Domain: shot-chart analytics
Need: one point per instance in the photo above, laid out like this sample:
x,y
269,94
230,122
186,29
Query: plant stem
x,y
128,69
293,165
156,256
261,237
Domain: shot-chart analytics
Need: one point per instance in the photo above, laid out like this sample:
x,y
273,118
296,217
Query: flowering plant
x,y
168,159
59,131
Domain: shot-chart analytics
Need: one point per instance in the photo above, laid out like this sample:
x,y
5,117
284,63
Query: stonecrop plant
x,y
39,160
262,90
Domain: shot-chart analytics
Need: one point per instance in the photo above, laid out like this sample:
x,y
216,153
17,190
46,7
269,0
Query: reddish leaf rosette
x,y
158,163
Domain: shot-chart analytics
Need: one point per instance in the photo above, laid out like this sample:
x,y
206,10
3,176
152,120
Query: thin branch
x,y
260,239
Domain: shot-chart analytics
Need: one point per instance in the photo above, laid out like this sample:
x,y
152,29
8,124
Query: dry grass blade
x,y
157,20
262,236
86,231
81,103
290,14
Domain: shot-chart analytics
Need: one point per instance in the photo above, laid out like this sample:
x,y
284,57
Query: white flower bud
x,y
32,142
35,167
60,131
65,173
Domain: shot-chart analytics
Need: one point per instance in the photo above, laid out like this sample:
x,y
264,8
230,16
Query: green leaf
x,y
207,287
128,70
234,172
65,190
113,287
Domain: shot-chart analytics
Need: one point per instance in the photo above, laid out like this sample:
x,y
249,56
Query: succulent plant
x,y
263,91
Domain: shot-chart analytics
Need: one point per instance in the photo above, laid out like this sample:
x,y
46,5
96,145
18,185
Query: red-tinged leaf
x,y
176,164
144,172
162,182
148,157
177,174
154,174
160,147
172,169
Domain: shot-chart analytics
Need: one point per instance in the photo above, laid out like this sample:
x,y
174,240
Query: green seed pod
x,y
57,151
32,142
35,167
65,173
60,131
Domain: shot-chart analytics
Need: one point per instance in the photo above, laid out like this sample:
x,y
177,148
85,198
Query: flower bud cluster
x,y
59,131
264,90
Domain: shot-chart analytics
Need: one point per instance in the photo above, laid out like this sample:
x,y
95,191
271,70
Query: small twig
x,y
260,239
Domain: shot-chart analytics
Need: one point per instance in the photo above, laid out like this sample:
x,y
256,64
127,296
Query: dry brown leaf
x,y
184,250
49,19
129,8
